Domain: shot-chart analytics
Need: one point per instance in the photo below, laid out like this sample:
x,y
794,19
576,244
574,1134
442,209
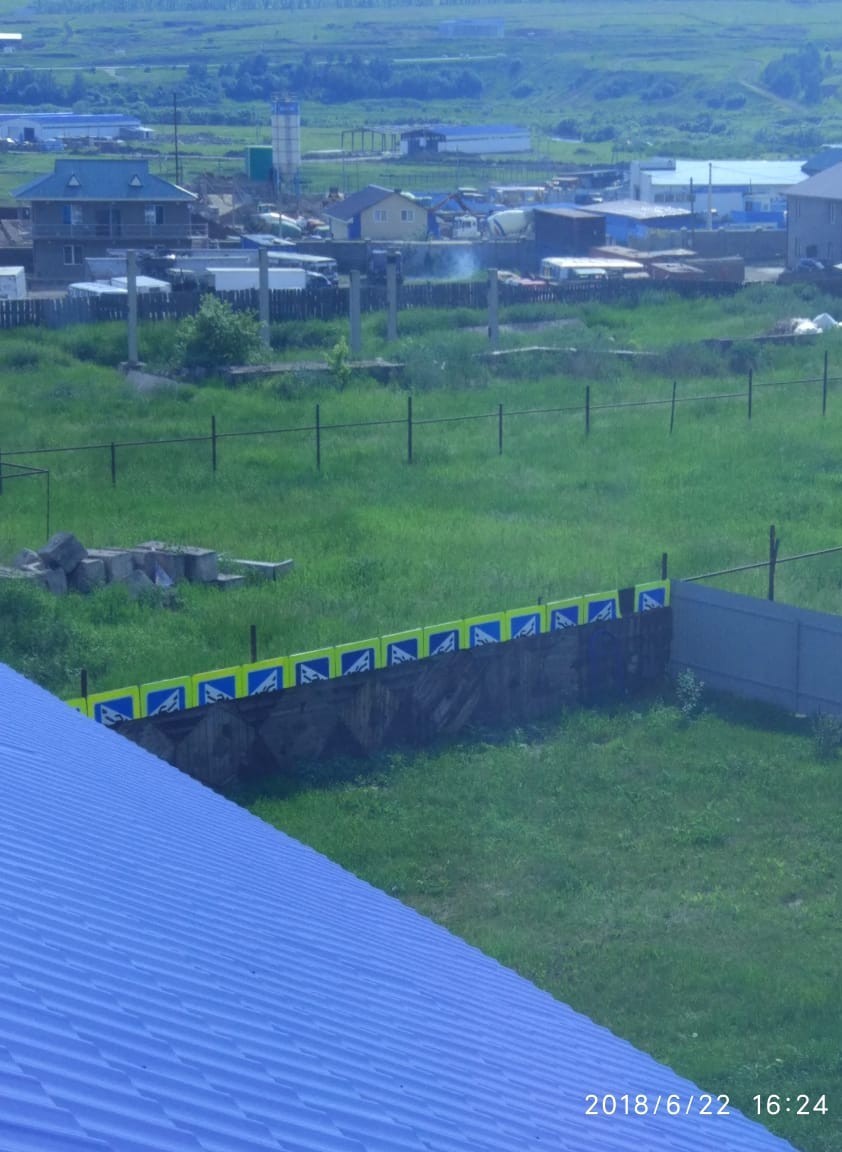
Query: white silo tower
x,y
286,142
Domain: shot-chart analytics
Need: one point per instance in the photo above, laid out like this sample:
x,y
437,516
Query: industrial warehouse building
x,y
179,975
723,186
476,139
42,127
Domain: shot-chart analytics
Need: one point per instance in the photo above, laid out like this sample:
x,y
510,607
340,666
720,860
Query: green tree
x,y
216,337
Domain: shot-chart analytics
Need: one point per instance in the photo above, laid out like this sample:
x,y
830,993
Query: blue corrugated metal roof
x,y
97,180
177,975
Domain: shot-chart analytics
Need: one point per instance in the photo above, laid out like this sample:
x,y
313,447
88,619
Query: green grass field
x,y
381,545
677,883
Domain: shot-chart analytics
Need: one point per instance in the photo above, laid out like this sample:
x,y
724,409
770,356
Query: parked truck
x,y
243,279
378,259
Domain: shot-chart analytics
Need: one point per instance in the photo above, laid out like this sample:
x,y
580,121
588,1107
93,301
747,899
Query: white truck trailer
x,y
243,279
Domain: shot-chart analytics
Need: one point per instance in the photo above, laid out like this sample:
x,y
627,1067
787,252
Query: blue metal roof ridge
x,y
98,180
176,974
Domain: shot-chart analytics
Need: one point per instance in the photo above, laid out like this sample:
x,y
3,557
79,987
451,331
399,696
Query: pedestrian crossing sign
x,y
115,707
266,676
402,647
522,622
564,614
602,606
165,696
361,657
309,667
441,639
214,687
649,596
483,630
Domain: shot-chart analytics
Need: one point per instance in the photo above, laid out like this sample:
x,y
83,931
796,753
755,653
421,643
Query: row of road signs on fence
x,y
166,696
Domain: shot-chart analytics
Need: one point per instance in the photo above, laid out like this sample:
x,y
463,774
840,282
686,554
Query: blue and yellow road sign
x,y
402,647
214,687
114,707
310,667
166,696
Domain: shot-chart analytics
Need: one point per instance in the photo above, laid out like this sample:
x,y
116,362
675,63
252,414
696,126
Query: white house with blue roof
x,y
176,975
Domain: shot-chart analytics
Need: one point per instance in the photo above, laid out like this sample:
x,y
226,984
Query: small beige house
x,y
376,213
814,218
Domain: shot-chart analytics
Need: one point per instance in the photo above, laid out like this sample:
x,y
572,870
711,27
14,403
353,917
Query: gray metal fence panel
x,y
786,656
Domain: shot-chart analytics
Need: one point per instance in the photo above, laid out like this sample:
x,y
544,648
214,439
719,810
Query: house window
x,y
407,215
73,254
71,214
153,214
380,215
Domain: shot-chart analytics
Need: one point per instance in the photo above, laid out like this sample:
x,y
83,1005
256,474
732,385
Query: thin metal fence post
x,y
253,642
318,438
774,543
587,409
409,429
83,683
672,408
213,443
664,565
824,385
750,387
113,464
500,429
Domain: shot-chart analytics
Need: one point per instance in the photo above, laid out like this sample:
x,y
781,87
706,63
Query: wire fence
x,y
498,418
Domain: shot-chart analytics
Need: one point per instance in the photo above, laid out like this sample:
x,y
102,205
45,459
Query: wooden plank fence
x,y
330,303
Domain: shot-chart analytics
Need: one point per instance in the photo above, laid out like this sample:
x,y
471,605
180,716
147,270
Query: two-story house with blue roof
x,y
86,207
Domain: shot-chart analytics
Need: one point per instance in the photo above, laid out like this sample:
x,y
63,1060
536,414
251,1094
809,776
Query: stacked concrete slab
x,y
64,563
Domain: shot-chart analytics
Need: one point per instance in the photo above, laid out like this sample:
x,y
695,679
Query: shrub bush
x,y
216,337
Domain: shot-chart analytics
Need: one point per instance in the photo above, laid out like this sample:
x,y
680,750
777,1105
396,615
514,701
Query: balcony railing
x,y
120,234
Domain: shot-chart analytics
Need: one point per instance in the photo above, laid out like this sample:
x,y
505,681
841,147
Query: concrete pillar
x,y
263,294
392,297
355,344
493,295
131,284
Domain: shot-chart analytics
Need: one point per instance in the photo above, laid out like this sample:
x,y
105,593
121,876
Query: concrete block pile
x,y
64,564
